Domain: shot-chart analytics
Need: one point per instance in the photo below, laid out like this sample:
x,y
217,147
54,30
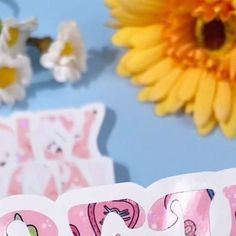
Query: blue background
x,y
144,147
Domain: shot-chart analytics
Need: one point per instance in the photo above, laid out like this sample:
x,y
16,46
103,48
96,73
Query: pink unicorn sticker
x,y
195,206
31,228
54,132
37,223
87,220
66,134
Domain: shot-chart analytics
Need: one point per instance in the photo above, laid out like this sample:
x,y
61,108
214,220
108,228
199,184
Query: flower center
x,y
214,35
68,50
7,77
14,36
217,37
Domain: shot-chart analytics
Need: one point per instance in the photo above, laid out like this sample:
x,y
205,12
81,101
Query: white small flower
x,y
14,35
15,76
66,56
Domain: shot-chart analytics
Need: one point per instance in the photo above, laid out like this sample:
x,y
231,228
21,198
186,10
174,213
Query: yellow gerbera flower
x,y
183,52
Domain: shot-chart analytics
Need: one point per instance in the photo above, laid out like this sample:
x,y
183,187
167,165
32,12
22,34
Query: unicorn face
x,y
19,227
53,139
28,222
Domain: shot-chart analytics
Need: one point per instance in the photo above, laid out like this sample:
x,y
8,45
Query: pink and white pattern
x,y
195,207
25,180
88,219
37,222
135,211
64,139
230,194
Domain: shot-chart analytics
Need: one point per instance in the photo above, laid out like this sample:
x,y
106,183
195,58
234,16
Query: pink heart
x,y
127,209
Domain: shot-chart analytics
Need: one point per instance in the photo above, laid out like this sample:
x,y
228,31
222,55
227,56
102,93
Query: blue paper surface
x,y
144,147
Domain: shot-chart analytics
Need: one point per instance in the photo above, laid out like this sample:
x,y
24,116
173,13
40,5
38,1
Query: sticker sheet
x,y
58,146
191,205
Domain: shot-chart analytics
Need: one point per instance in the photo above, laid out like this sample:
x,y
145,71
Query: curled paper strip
x,y
189,205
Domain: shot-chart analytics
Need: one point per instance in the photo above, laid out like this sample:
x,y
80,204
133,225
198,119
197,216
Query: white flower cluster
x,y
15,66
66,57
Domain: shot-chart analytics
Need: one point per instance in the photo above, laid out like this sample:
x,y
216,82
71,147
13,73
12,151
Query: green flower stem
x,y
42,44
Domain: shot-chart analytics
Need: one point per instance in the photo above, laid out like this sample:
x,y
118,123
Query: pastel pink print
x,y
195,206
74,230
6,128
54,152
72,177
8,146
42,225
54,149
51,190
81,148
15,185
55,129
230,193
23,139
88,219
67,123
35,183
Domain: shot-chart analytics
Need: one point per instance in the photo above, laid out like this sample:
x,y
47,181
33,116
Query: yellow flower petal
x,y
122,69
148,37
229,127
190,83
161,109
123,36
223,101
189,107
140,60
156,72
171,104
203,107
143,6
208,128
128,19
135,61
112,3
134,81
232,69
144,94
161,89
